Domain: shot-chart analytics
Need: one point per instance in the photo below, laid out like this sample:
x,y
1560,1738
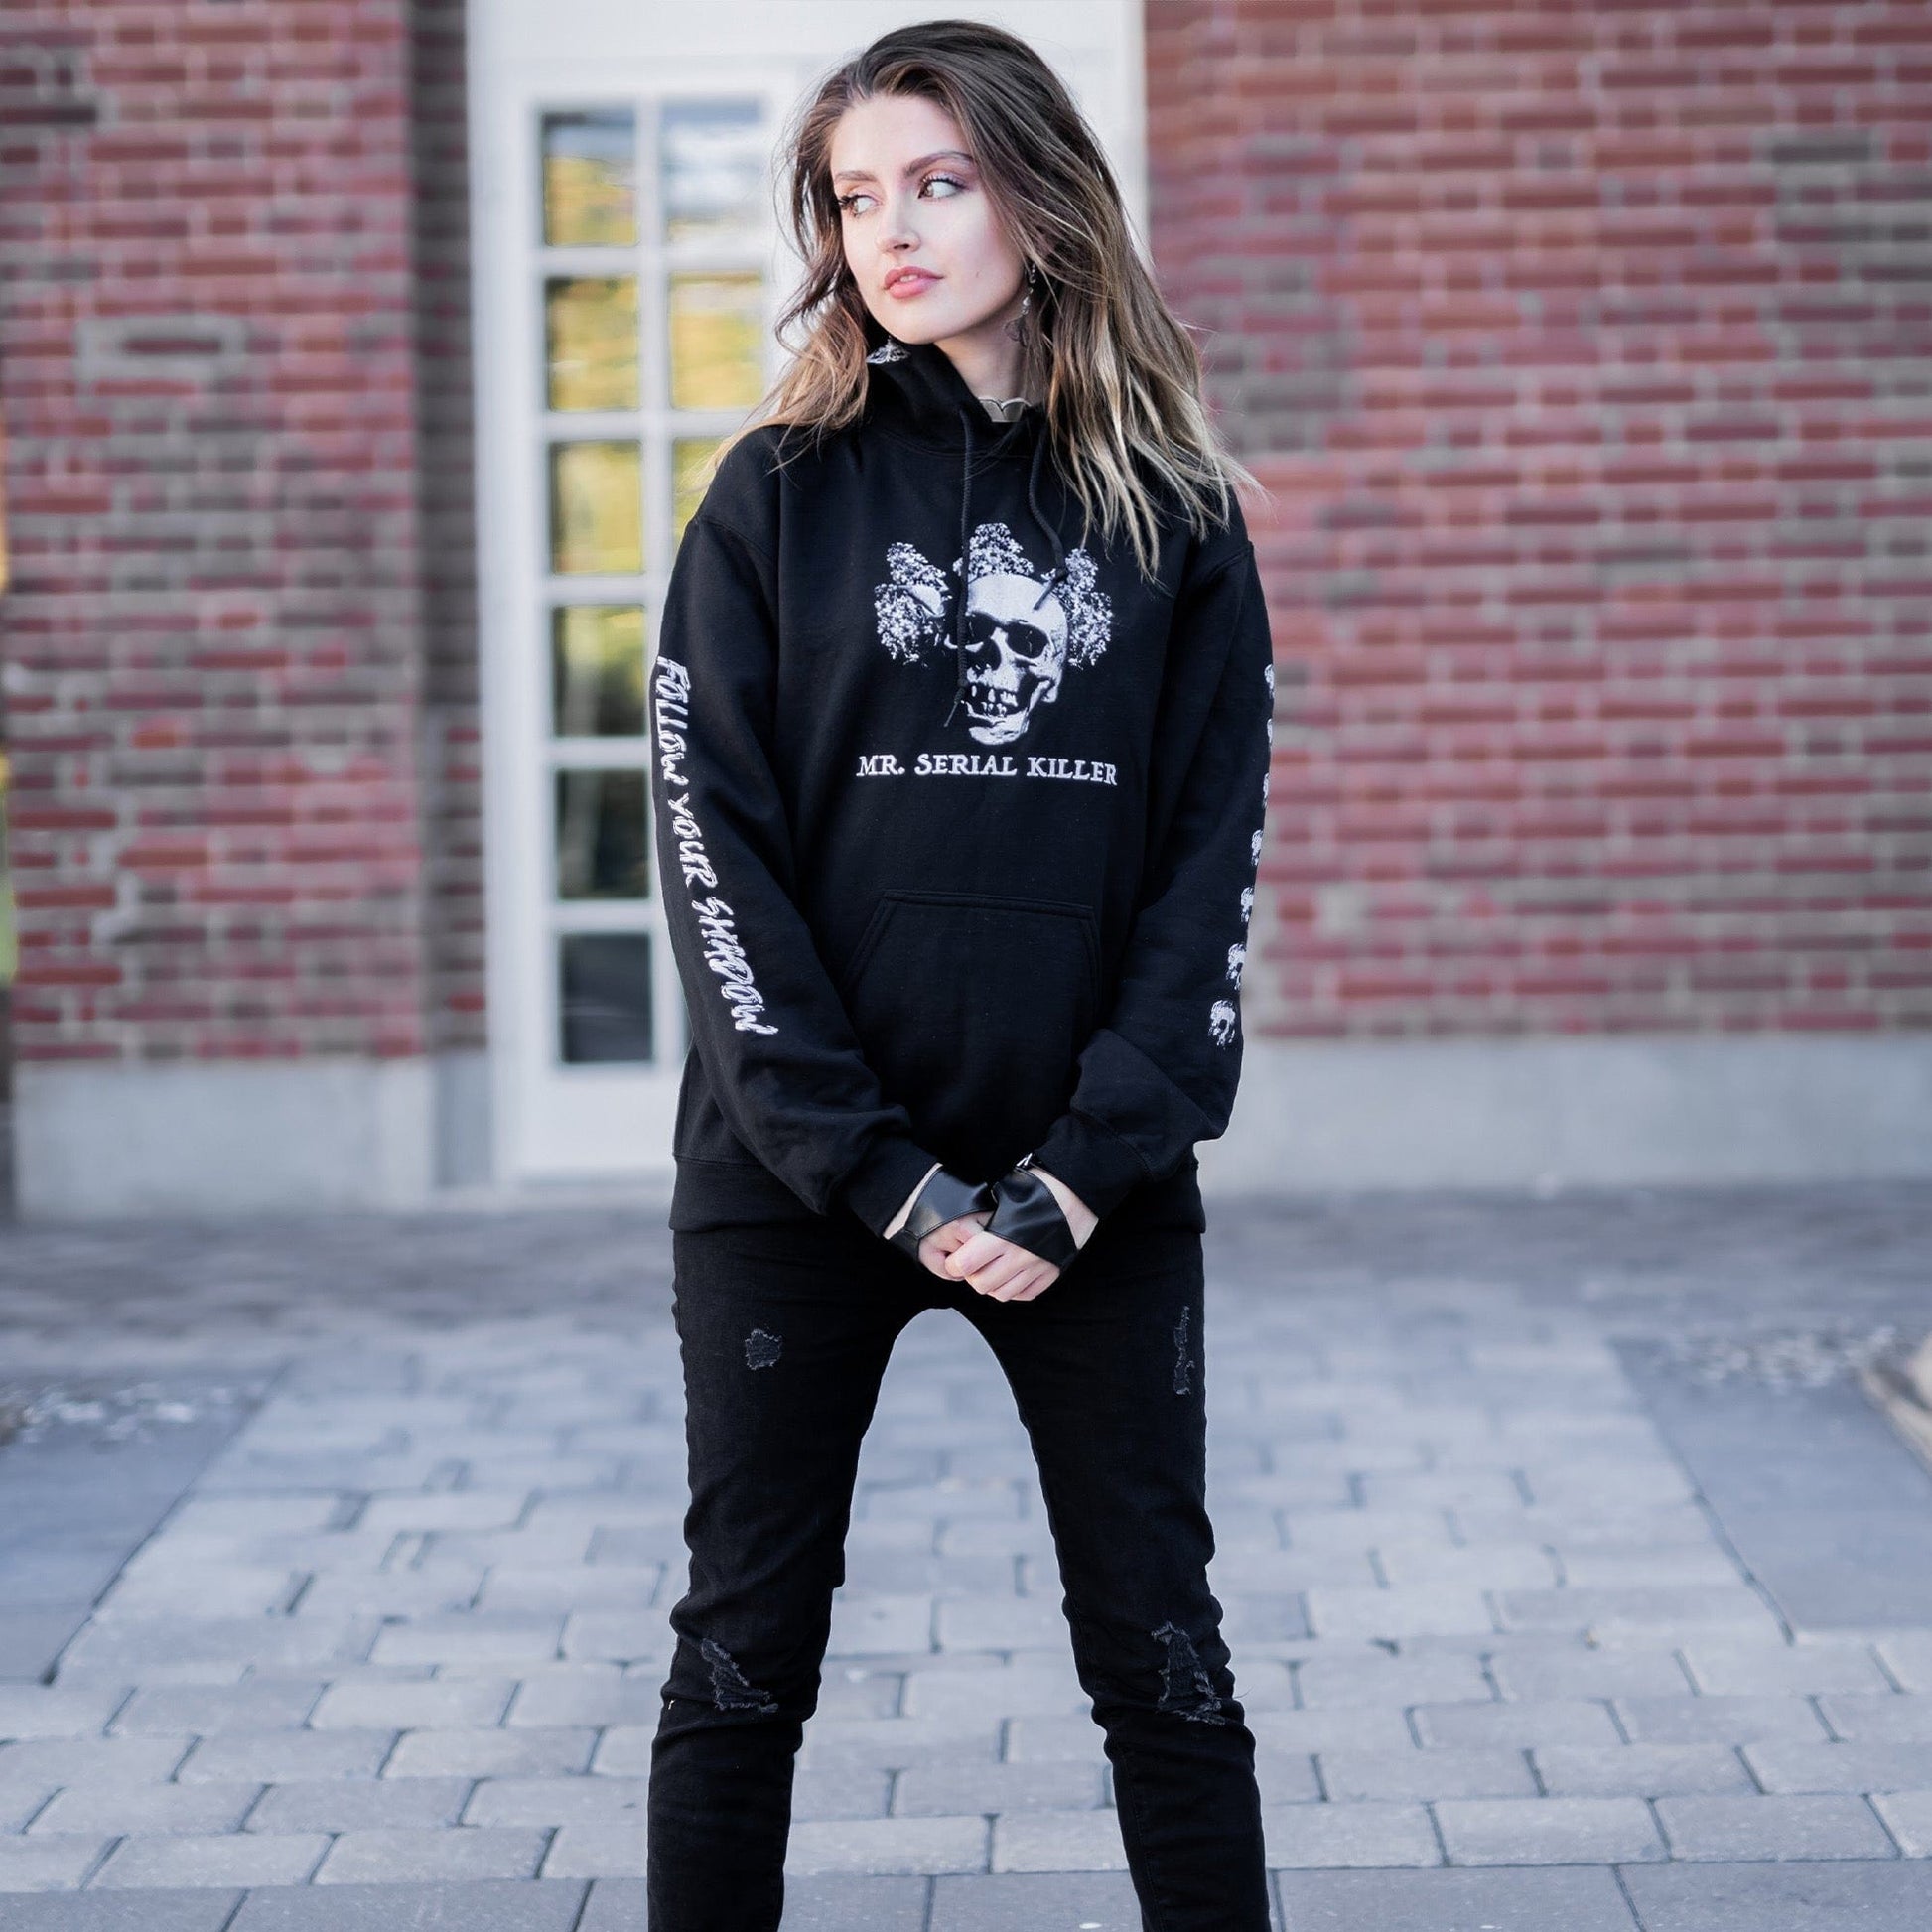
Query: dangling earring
x,y
1017,328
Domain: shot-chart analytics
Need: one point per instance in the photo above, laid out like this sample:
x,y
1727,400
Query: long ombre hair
x,y
1121,376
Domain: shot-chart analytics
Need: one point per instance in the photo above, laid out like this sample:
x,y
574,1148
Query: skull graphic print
x,y
1023,632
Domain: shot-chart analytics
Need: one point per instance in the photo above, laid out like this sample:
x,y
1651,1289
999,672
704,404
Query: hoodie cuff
x,y
1100,1166
876,1189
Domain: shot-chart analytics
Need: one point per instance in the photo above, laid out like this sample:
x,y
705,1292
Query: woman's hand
x,y
998,1268
947,1237
995,1267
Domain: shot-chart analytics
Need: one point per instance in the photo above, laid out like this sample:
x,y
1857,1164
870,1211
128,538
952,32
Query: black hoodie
x,y
950,878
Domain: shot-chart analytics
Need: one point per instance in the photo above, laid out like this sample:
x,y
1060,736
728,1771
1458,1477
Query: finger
x,y
1036,1282
989,1279
982,1252
976,1252
1000,1275
981,1282
939,1247
1048,1276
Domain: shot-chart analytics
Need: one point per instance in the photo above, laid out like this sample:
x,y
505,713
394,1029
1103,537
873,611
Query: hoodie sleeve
x,y
1159,1073
767,1021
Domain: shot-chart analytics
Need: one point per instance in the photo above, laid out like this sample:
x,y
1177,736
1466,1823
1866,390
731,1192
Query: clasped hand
x,y
962,1250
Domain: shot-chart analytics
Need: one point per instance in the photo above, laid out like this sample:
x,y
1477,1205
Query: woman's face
x,y
913,208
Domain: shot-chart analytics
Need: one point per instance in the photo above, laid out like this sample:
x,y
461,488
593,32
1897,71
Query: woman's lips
x,y
913,282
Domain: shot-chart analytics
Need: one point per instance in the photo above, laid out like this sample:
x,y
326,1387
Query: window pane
x,y
688,454
714,158
591,342
597,660
596,508
603,997
601,843
717,330
590,180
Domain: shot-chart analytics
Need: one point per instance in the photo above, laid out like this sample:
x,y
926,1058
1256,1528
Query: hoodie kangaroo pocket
x,y
972,1009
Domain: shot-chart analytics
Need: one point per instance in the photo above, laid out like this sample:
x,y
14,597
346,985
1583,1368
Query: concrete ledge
x,y
94,1141
1659,1109
104,1140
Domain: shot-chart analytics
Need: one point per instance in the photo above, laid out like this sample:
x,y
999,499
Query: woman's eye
x,y
845,202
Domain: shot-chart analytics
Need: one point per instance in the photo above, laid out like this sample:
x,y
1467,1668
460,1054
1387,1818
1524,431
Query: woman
x,y
959,809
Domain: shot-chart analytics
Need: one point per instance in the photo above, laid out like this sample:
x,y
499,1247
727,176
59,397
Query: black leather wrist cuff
x,y
944,1197
1029,1217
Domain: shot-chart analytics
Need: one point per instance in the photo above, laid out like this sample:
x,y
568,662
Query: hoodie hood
x,y
915,390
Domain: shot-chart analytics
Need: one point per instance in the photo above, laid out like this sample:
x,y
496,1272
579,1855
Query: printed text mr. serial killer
x,y
986,764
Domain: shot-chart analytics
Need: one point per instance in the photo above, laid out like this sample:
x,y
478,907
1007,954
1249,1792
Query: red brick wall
x,y
242,809
1585,350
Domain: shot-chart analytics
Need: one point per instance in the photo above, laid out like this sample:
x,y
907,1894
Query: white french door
x,y
627,272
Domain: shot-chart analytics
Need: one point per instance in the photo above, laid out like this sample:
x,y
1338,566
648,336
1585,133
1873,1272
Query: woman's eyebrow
x,y
911,167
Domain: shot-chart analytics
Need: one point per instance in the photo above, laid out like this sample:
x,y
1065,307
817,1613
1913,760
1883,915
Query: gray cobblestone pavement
x,y
335,1557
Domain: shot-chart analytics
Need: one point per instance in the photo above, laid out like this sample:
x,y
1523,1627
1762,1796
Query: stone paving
x,y
335,1557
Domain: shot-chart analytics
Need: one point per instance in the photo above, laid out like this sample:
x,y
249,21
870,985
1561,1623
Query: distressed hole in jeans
x,y
729,1689
1187,1691
1183,1363
763,1348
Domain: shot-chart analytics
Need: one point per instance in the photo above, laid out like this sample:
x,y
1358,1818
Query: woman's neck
x,y
988,361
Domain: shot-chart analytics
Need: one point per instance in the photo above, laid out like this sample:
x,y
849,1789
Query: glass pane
x,y
713,157
590,180
603,997
597,659
602,846
688,454
717,331
591,342
596,508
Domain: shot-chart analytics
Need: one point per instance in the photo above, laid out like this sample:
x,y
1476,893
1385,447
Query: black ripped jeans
x,y
785,1331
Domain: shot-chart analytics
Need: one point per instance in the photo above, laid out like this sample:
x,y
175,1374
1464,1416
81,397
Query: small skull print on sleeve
x,y
1223,1015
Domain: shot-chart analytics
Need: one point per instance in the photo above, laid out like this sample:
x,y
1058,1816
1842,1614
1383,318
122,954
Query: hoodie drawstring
x,y
1052,531
1053,576
965,533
